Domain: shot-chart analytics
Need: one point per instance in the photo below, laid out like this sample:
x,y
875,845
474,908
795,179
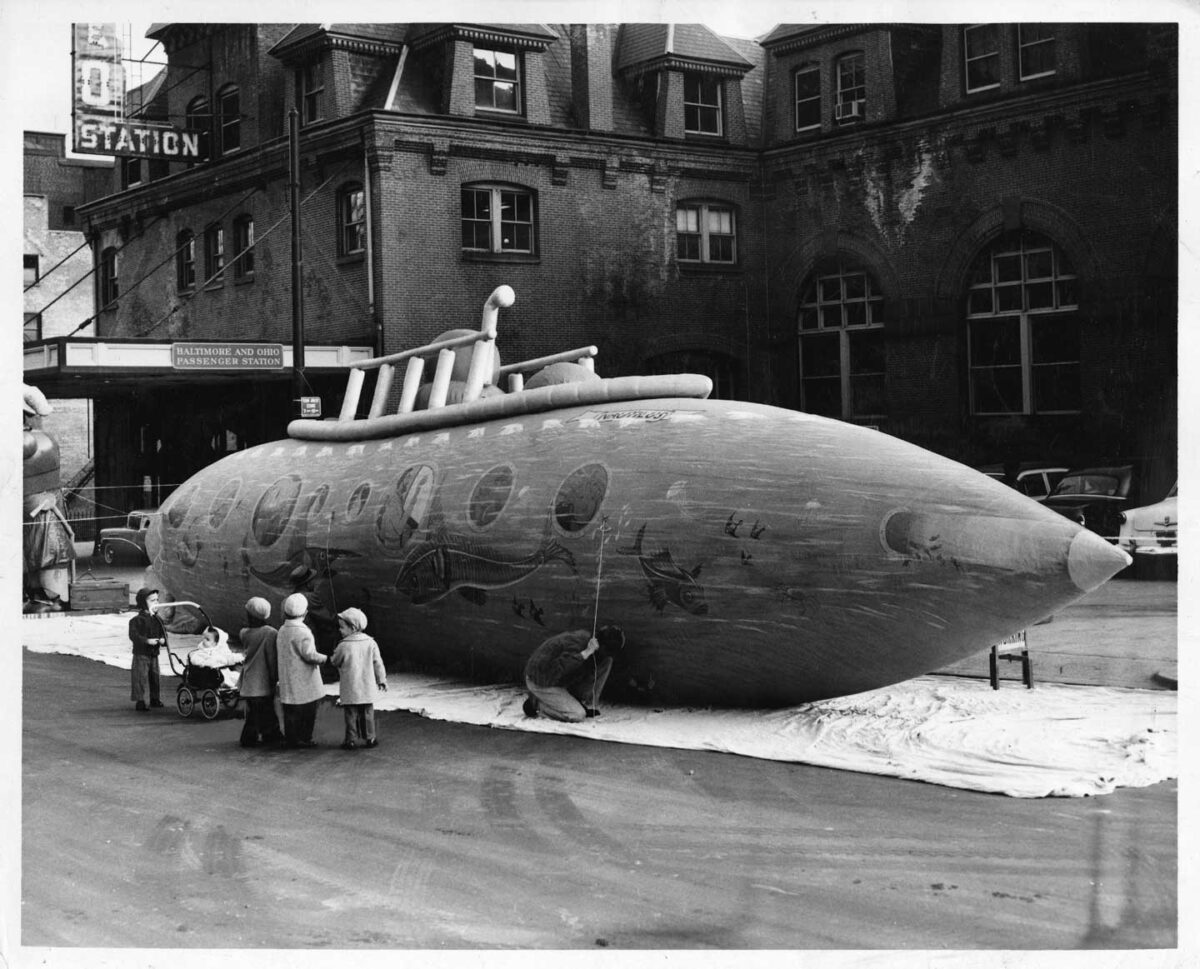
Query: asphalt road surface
x,y
148,830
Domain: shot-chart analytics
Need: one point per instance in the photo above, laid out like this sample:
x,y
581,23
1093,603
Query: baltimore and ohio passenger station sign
x,y
227,356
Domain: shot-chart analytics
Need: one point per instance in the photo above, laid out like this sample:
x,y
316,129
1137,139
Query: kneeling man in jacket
x,y
566,674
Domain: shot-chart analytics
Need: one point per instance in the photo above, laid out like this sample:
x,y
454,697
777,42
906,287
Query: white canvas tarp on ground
x,y
1054,740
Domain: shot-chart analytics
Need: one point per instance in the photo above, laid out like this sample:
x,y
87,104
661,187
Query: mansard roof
x,y
655,47
144,101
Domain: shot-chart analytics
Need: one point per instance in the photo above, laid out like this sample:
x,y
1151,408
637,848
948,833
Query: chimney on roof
x,y
592,75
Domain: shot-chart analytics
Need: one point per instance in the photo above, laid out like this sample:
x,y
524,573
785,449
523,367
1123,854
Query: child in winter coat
x,y
361,672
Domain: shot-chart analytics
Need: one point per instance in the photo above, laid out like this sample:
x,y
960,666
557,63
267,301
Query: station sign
x,y
102,125
227,356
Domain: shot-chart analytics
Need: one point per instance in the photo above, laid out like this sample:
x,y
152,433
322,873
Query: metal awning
x,y
87,367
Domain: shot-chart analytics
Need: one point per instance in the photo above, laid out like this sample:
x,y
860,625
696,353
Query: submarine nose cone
x,y
1091,561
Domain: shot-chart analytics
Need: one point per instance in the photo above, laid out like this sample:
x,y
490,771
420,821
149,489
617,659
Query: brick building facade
x,y
58,291
961,234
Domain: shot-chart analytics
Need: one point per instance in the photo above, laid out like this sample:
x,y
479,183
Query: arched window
x,y
109,285
229,119
185,260
1023,331
352,220
498,219
243,247
214,255
198,117
841,343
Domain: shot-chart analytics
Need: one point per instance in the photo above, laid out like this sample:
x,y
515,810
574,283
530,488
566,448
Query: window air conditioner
x,y
847,110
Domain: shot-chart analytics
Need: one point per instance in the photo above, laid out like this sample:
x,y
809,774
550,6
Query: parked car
x,y
1094,497
1150,534
128,539
1035,479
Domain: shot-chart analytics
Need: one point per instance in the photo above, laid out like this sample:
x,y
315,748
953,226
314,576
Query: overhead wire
x,y
258,238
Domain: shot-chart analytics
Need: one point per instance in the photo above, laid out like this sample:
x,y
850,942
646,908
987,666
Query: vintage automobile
x,y
128,539
1035,479
1094,498
1150,534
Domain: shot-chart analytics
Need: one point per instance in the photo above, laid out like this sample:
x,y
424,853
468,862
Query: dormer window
x,y
229,119
851,89
1036,50
701,104
981,56
198,117
312,92
808,97
497,80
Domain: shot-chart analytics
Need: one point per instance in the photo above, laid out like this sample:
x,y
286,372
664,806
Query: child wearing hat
x,y
300,685
147,635
260,670
361,672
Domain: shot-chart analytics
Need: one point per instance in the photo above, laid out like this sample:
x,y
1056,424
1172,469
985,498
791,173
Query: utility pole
x,y
297,262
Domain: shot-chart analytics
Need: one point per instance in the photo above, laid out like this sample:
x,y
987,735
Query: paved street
x,y
150,830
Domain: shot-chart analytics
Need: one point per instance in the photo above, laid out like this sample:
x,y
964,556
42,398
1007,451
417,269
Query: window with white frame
x,y
109,285
981,57
1035,44
243,247
214,255
1023,329
497,80
807,86
705,232
229,119
851,102
32,272
498,219
702,104
352,220
32,331
312,92
185,260
842,353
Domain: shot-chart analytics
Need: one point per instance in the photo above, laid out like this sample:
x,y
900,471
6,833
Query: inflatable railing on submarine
x,y
754,556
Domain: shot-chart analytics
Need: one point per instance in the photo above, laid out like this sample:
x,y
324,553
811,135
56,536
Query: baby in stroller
x,y
213,653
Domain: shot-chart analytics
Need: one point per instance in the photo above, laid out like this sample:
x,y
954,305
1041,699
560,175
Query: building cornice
x,y
482,34
677,62
311,47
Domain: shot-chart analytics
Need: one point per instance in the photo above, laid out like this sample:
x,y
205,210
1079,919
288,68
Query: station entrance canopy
x,y
66,367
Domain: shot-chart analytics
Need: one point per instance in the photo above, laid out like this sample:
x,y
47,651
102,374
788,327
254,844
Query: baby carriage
x,y
208,674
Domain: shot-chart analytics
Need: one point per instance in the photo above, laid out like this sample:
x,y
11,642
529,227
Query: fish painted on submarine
x,y
755,556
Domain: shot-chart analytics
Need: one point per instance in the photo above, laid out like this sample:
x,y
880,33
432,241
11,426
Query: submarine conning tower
x,y
466,385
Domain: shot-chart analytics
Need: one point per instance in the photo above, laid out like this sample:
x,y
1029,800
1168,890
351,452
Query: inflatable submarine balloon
x,y
754,556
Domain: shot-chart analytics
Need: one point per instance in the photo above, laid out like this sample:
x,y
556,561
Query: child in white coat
x,y
360,673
